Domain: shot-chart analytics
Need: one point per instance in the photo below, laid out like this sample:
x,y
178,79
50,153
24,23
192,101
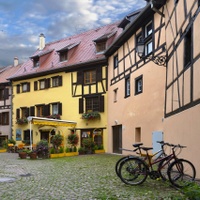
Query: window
x,y
92,104
39,110
63,56
90,77
25,87
55,109
36,62
100,46
138,134
115,60
148,38
127,87
188,48
138,85
115,95
4,118
4,94
42,84
25,112
56,81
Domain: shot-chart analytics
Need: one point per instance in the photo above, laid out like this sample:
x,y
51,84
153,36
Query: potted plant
x,y
57,141
72,140
88,144
23,153
22,121
91,115
81,150
42,148
99,149
33,154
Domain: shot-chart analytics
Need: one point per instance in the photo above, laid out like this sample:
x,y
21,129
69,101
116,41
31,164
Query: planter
x,y
33,156
57,155
99,151
3,150
71,154
22,155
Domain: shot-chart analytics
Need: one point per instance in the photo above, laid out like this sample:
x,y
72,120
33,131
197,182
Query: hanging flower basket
x,y
91,115
21,121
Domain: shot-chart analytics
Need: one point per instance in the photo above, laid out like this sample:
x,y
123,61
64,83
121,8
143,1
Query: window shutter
x,y
101,98
47,83
18,89
17,113
0,118
80,77
99,74
60,108
60,80
27,112
6,93
46,111
28,87
35,85
32,111
80,105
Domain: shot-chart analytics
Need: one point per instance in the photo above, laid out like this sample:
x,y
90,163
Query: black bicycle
x,y
134,170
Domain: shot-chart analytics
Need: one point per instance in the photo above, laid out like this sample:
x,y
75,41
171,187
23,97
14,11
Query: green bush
x,y
57,141
192,191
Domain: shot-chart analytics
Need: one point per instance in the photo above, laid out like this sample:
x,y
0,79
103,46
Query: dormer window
x,y
101,42
101,46
63,56
36,62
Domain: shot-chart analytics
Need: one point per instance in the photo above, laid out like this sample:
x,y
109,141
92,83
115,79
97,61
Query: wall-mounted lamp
x,y
158,60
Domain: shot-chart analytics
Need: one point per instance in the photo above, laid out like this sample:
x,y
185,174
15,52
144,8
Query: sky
x,y
22,21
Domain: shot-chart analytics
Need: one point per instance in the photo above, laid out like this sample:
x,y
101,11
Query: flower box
x,y
71,154
91,115
57,155
99,151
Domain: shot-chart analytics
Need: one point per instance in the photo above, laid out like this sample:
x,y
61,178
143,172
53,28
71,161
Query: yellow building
x,y
65,80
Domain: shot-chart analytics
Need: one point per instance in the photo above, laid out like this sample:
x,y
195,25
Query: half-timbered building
x,y
137,81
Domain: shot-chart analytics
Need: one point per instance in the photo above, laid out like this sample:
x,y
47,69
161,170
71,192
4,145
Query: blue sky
x,y
22,21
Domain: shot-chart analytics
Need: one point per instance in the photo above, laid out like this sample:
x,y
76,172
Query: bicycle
x,y
158,154
134,170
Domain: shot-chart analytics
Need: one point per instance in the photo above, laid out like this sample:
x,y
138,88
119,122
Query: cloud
x,y
21,23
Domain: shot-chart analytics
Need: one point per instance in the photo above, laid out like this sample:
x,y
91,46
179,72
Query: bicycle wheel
x,y
162,169
181,173
133,171
117,165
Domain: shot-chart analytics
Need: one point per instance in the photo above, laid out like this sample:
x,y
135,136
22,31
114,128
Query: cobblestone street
x,y
74,178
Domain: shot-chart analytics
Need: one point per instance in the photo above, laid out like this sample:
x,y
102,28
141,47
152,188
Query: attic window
x,y
63,56
36,62
101,46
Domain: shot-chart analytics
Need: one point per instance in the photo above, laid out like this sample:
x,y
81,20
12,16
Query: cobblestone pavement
x,y
74,178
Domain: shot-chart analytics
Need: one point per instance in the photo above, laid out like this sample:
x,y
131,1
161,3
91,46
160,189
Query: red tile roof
x,y
7,72
81,49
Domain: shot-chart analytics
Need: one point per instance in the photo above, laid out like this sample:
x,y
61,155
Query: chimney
x,y
42,41
16,61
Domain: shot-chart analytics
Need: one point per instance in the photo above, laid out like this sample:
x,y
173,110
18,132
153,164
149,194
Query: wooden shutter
x,y
60,108
46,110
32,111
35,85
47,83
28,87
101,98
80,77
60,80
99,74
6,95
18,89
80,105
0,118
27,112
17,113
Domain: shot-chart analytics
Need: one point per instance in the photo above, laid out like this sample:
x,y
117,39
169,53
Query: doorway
x,y
117,139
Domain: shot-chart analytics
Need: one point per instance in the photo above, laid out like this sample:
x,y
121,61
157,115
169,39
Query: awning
x,y
51,122
48,121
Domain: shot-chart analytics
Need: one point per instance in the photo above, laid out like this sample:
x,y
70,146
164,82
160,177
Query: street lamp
x,y
158,60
